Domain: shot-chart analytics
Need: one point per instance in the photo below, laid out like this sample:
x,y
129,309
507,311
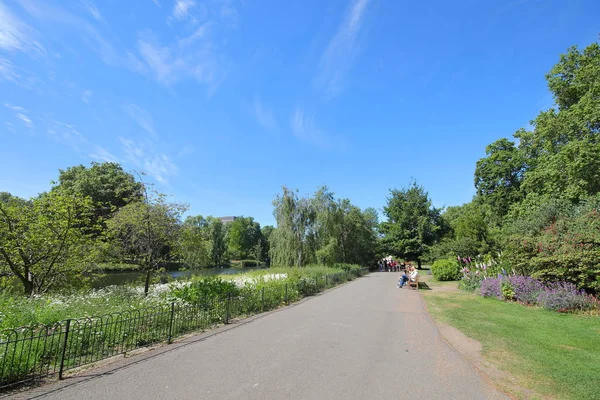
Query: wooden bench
x,y
414,283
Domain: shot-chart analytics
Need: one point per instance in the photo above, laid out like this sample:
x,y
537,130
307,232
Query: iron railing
x,y
33,353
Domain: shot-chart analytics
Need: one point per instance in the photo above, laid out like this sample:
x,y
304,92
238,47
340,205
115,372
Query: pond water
x,y
122,278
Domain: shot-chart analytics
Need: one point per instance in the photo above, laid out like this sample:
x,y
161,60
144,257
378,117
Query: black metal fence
x,y
32,353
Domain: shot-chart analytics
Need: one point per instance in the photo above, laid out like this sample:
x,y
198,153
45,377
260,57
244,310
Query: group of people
x,y
389,265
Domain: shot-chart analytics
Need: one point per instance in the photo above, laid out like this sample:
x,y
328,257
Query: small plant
x,y
508,292
492,287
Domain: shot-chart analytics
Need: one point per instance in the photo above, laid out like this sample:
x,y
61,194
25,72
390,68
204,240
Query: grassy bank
x,y
556,355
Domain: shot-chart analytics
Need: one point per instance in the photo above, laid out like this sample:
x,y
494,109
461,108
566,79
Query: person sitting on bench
x,y
410,274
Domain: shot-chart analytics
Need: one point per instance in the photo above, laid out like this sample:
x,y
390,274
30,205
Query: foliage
x,y
243,237
498,176
204,288
145,232
45,242
321,229
492,287
413,223
563,297
446,270
526,289
106,184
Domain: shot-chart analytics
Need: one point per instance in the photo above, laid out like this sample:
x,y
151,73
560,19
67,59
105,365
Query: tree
x,y
42,242
218,241
146,232
244,236
106,184
412,223
498,176
194,242
292,241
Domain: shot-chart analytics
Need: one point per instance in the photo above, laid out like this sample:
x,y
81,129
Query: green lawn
x,y
556,355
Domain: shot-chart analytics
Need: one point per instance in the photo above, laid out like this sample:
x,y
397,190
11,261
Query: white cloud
x,y
15,34
305,129
10,127
100,153
14,108
264,115
337,58
26,120
86,95
142,117
7,71
171,64
157,165
92,10
157,3
182,8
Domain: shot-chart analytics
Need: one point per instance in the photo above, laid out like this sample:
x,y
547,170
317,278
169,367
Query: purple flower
x,y
492,287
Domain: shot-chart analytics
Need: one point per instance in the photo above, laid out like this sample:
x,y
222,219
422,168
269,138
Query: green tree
x,y
195,244
292,243
42,242
106,184
412,225
146,232
218,241
498,176
244,236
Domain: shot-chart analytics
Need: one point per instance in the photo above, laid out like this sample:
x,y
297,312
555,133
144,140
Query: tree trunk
x,y
28,285
418,263
147,285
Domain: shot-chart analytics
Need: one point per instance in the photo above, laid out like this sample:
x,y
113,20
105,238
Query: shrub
x,y
492,287
204,288
563,297
508,292
526,289
446,270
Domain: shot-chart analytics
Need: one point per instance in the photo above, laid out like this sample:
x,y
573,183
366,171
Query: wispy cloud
x,y
92,10
304,128
7,71
157,165
142,117
183,60
26,120
15,34
100,153
10,127
157,3
337,58
264,115
86,95
181,8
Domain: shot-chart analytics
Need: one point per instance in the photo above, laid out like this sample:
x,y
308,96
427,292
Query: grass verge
x,y
555,355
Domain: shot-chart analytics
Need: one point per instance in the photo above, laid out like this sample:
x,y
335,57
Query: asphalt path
x,y
364,340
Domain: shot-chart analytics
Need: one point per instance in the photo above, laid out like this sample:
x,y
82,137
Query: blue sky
x,y
221,102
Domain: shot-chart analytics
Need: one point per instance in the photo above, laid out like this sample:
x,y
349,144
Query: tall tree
x,y
498,176
42,242
243,236
106,184
145,232
195,244
412,222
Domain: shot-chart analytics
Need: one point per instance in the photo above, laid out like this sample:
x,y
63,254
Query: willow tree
x,y
292,241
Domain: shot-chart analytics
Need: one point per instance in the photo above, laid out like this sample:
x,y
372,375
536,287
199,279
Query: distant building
x,y
227,220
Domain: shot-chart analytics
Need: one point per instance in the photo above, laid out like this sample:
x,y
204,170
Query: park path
x,y
364,340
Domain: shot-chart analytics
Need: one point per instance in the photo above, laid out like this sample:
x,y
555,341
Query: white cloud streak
x,y
100,153
92,10
143,118
26,120
264,115
305,129
158,165
7,71
181,8
15,35
337,58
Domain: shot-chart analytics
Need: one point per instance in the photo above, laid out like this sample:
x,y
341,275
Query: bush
x,y
446,270
492,287
526,289
205,288
563,297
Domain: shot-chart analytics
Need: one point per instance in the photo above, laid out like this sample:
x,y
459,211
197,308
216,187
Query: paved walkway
x,y
364,340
